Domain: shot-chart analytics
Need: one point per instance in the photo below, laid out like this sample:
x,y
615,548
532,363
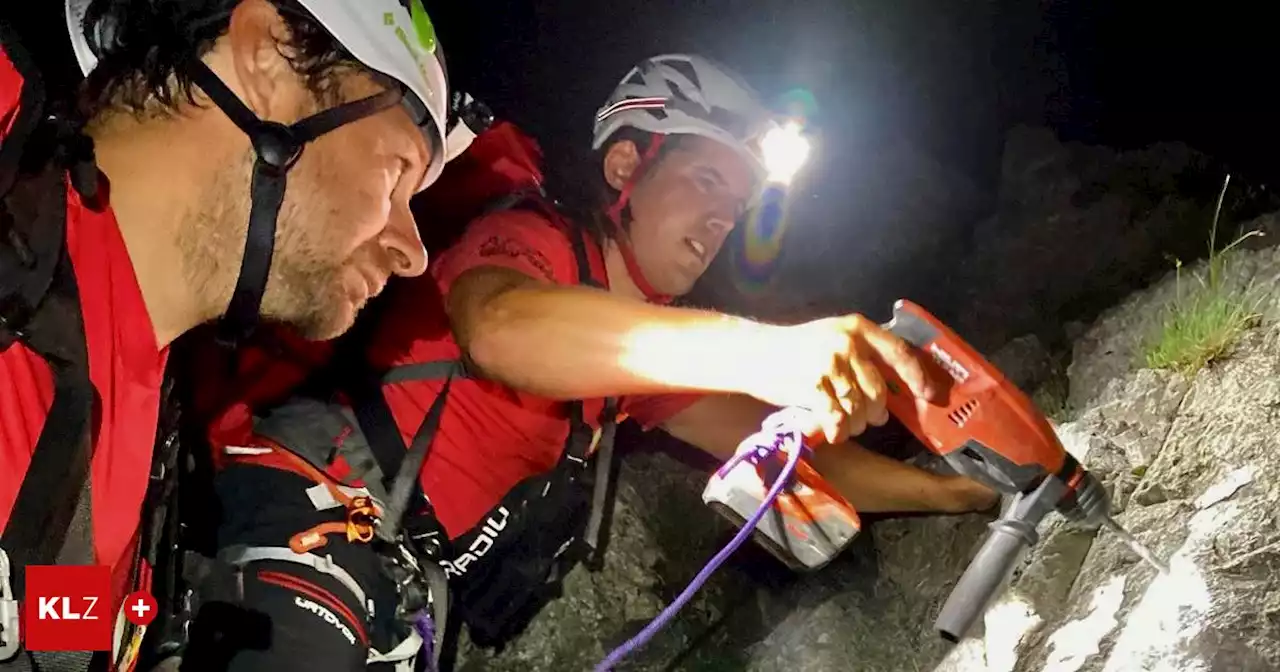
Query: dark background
x,y
944,79
948,76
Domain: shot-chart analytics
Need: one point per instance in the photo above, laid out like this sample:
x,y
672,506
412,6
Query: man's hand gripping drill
x,y
958,405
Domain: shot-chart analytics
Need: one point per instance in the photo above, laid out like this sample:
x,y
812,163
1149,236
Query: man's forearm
x,y
568,342
871,482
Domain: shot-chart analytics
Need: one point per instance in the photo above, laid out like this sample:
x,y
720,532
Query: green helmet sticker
x,y
422,26
423,29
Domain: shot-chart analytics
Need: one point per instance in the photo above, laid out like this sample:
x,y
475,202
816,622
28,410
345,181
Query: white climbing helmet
x,y
393,37
687,93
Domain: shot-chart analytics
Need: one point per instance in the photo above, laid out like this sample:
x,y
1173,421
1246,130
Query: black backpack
x,y
40,308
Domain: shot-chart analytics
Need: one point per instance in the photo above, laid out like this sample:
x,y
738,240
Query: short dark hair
x,y
588,201
147,42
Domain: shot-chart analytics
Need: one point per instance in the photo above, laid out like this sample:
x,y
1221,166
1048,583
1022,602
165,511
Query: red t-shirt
x,y
126,367
490,436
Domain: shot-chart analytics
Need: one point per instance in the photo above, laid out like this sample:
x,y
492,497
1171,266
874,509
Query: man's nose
x,y
722,221
403,244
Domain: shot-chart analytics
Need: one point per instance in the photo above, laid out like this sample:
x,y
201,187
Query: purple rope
x,y
425,626
777,434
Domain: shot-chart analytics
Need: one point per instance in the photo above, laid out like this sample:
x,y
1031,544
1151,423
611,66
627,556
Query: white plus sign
x,y
141,608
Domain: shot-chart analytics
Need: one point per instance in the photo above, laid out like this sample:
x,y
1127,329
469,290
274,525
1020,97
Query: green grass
x,y
1051,398
1202,323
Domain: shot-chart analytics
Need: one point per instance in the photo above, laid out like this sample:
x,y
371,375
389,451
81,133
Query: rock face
x,y
870,605
1194,469
1192,464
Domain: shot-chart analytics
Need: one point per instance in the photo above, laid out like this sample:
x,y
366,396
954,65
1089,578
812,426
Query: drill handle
x,y
1012,534
983,578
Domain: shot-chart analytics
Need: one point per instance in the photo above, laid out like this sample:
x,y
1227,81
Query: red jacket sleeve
x,y
520,240
10,92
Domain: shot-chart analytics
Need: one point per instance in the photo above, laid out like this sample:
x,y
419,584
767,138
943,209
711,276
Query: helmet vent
x,y
676,92
685,68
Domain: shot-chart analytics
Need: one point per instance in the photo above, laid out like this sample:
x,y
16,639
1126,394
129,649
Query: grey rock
x,y
872,603
1134,206
1024,361
1089,442
1135,412
1192,464
646,566
1229,420
1114,345
1206,503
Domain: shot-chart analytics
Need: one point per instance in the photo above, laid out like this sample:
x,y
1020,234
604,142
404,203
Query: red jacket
x,y
126,367
490,436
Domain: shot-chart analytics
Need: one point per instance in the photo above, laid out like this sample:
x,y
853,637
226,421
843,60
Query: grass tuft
x,y
1202,323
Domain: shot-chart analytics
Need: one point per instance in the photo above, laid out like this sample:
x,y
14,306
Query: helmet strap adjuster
x,y
278,147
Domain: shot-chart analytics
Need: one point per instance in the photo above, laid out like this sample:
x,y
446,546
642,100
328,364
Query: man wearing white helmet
x,y
495,376
238,160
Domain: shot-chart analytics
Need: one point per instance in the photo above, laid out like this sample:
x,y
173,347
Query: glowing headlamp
x,y
785,150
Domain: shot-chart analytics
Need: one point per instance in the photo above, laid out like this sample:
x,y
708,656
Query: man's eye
x,y
404,172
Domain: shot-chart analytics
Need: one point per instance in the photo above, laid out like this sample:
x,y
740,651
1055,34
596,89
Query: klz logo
x,y
60,609
67,608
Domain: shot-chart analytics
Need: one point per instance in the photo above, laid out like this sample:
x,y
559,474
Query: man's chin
x,y
327,323
680,285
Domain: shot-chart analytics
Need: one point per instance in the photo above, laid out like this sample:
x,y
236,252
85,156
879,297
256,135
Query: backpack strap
x,y
50,522
53,327
595,537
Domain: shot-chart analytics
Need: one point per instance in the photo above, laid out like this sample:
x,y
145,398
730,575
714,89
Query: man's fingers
x,y
857,413
875,394
844,384
898,355
836,424
854,400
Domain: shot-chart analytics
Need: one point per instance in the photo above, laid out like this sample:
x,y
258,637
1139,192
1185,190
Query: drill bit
x,y
1135,545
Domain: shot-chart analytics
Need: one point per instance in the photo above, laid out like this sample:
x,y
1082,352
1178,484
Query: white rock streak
x,y
1074,642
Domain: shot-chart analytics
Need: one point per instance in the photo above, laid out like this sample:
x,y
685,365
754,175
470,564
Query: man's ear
x,y
266,81
620,163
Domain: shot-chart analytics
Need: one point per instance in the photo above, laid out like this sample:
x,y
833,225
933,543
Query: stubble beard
x,y
303,290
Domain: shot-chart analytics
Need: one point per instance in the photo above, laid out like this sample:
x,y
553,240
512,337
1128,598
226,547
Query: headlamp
x,y
785,150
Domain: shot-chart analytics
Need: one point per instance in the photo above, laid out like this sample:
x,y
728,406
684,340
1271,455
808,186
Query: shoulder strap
x,y
596,535
39,306
399,463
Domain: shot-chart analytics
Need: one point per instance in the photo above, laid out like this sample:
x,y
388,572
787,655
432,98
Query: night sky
x,y
944,77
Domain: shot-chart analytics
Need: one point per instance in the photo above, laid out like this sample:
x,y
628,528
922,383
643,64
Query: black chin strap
x,y
277,147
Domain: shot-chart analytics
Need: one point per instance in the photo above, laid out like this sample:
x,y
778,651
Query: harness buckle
x,y
362,519
10,635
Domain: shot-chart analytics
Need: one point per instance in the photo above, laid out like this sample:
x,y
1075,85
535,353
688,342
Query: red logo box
x,y
68,608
